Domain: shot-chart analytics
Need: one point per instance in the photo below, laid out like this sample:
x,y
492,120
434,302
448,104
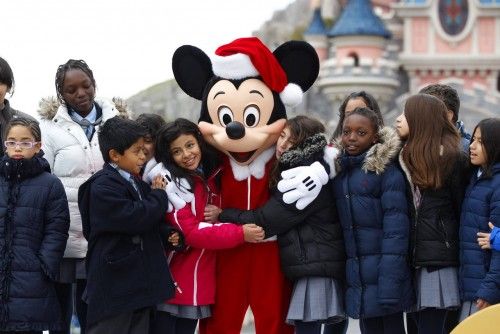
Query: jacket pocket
x,y
127,273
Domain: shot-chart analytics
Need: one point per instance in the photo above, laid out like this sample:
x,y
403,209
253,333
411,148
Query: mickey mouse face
x,y
240,116
250,104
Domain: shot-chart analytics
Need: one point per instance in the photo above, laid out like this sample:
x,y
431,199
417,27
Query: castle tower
x,y
455,42
359,59
316,32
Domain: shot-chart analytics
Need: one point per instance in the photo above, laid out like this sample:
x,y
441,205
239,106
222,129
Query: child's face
x,y
133,159
402,126
477,153
186,152
284,143
78,91
358,134
149,147
357,102
20,143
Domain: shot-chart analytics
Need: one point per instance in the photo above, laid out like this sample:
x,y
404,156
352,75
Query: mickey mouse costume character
x,y
244,88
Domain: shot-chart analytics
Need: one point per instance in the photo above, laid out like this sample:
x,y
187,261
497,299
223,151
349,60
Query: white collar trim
x,y
256,168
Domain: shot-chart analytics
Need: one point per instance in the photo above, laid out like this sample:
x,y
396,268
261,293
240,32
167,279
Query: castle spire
x,y
358,19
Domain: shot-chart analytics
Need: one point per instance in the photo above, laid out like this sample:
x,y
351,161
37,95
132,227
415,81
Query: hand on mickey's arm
x,y
253,233
212,213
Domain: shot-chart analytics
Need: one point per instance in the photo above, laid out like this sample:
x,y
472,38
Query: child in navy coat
x,y
370,194
480,268
127,268
34,223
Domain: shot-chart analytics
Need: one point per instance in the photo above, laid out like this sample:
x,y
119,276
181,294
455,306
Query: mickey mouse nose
x,y
235,130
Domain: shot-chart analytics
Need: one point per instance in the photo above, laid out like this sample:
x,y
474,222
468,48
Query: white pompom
x,y
291,95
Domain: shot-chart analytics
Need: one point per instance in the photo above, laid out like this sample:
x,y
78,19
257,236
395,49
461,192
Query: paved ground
x,y
352,329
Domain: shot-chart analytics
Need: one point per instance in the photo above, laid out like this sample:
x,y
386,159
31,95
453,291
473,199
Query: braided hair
x,y
71,64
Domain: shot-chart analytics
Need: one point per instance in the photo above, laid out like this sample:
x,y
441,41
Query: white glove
x,y
178,195
302,184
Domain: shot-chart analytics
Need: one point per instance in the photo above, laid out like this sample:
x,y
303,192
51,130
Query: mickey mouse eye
x,y
251,116
225,115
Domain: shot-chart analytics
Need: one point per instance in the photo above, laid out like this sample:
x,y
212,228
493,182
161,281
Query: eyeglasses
x,y
21,144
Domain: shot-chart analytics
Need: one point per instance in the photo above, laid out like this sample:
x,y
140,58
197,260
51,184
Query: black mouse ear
x,y
300,62
192,70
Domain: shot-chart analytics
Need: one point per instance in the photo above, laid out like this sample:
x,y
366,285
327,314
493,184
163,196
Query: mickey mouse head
x,y
244,89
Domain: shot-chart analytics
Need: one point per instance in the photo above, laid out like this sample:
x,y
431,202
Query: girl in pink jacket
x,y
182,154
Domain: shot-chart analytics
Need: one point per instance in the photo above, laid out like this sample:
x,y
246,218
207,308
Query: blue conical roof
x,y
317,26
358,18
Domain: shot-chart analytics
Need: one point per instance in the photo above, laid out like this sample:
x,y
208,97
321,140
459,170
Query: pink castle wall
x,y
486,35
426,78
463,46
420,32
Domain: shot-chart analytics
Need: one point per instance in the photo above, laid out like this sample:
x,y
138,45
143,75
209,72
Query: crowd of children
x,y
409,223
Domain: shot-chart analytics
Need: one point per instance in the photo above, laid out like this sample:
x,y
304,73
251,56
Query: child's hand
x,y
483,239
253,233
174,239
482,304
212,213
158,182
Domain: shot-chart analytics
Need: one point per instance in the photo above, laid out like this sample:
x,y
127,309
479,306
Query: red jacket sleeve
x,y
200,234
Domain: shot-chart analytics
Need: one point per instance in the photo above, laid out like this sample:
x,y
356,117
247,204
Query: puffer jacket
x,y
6,115
34,222
310,240
72,158
435,222
480,269
370,195
193,269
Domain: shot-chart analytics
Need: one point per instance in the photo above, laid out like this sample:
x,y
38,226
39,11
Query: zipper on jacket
x,y
177,287
444,234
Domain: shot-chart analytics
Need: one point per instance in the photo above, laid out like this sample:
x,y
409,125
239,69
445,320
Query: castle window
x,y
498,82
355,58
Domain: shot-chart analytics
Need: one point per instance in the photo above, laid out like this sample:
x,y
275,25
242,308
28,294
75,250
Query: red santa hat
x,y
248,57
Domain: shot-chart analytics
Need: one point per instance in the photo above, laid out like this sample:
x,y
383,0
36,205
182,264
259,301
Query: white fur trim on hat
x,y
291,95
237,66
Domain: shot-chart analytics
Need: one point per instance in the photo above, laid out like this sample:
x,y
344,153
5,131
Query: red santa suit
x,y
249,275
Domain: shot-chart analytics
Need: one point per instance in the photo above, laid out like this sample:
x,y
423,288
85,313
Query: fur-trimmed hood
x,y
48,106
309,151
380,154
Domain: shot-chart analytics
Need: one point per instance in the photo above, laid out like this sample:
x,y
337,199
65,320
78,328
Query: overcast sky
x,y
128,44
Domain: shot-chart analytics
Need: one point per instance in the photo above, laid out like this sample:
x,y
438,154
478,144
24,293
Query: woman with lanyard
x,y
69,138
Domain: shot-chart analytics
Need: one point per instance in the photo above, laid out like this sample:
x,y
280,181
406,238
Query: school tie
x,y
132,181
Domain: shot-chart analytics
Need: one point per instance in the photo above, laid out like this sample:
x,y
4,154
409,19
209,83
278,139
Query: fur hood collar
x,y
380,154
309,151
48,107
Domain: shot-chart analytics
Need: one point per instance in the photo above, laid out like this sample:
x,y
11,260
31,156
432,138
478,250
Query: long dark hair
x,y
168,134
433,144
370,102
301,127
490,141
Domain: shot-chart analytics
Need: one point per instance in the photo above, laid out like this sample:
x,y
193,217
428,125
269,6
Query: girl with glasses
x,y
34,222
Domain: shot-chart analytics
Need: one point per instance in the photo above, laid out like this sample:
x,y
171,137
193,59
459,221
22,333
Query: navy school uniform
x,y
126,264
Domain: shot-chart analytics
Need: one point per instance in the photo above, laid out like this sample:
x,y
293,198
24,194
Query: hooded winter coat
x,y
370,195
480,269
34,222
72,158
310,240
